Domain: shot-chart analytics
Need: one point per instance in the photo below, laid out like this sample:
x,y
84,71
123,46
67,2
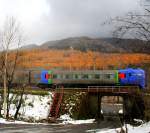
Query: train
x,y
80,78
123,77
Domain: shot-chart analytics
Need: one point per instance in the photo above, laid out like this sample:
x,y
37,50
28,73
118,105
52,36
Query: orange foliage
x,y
72,59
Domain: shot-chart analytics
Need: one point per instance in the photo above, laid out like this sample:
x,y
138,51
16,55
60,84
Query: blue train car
x,y
132,77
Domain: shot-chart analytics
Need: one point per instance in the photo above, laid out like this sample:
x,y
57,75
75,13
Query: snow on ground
x,y
35,107
67,120
4,121
144,128
39,108
120,111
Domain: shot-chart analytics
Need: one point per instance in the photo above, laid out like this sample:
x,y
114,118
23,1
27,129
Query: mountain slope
x,y
108,45
130,45
83,44
28,47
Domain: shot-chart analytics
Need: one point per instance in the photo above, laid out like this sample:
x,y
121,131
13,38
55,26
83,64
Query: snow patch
x,y
65,117
144,128
121,111
67,120
4,121
34,107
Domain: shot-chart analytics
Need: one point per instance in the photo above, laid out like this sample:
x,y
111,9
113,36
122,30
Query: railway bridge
x,y
133,104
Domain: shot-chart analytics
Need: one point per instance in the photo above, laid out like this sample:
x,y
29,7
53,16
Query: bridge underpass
x,y
132,102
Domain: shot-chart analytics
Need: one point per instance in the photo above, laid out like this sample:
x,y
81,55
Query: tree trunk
x,y
8,103
5,86
1,104
19,105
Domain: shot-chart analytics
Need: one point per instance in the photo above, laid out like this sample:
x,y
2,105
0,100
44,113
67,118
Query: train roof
x,y
132,70
94,71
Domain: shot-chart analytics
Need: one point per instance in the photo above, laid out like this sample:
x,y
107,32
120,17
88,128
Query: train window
x,y
68,76
85,76
107,76
76,76
111,76
97,76
130,74
55,76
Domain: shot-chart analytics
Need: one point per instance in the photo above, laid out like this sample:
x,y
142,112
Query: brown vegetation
x,y
72,59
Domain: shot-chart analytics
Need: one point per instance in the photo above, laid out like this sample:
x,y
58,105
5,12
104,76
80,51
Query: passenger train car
x,y
93,78
82,78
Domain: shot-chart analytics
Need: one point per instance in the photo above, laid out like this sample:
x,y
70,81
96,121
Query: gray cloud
x,y
66,18
79,18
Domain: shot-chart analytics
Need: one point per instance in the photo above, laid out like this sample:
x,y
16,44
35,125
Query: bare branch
x,y
136,25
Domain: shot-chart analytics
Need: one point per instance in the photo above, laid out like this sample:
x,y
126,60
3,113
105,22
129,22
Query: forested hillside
x,y
105,45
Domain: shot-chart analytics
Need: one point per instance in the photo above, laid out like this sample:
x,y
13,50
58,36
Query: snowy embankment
x,y
33,108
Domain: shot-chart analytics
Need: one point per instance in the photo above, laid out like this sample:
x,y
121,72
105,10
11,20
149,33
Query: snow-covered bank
x,y
33,108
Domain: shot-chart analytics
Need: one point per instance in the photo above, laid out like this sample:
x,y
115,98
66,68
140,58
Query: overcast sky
x,y
44,20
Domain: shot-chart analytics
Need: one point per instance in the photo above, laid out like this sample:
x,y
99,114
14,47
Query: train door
x,y
46,77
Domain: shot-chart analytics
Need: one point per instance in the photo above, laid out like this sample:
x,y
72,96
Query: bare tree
x,y
134,25
10,36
